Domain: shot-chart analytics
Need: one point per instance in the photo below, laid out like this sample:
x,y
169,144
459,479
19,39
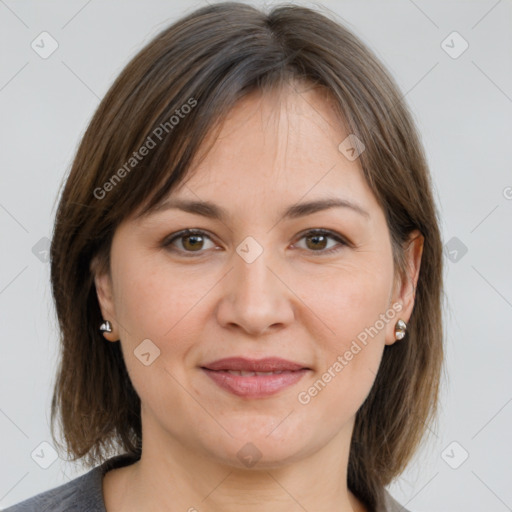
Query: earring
x,y
106,326
400,329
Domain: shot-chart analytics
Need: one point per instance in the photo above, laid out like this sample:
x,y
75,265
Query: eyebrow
x,y
213,211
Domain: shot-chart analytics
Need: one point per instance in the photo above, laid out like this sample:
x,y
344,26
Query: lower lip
x,y
254,386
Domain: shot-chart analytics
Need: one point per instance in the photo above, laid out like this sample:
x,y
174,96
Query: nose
x,y
255,296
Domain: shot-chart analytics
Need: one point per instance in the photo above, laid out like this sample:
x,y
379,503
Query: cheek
x,y
351,347
349,300
158,303
162,306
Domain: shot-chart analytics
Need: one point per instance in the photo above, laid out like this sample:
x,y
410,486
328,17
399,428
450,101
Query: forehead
x,y
281,143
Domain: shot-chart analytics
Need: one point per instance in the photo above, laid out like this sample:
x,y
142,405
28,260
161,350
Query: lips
x,y
254,378
266,365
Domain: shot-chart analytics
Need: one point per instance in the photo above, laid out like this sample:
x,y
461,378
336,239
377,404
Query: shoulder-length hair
x,y
172,94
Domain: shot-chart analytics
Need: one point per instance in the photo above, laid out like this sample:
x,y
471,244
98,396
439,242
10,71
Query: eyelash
x,y
312,232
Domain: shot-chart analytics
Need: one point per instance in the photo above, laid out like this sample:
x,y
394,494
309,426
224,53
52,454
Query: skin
x,y
274,150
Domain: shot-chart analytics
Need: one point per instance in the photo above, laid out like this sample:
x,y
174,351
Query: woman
x,y
249,221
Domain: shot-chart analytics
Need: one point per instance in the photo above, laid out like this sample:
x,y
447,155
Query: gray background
x,y
463,109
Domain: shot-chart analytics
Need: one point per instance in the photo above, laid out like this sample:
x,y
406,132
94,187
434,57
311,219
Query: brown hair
x,y
209,60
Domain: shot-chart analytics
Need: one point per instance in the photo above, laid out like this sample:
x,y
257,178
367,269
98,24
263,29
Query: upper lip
x,y
268,364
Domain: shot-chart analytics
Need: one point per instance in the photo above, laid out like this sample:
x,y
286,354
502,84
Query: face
x,y
257,283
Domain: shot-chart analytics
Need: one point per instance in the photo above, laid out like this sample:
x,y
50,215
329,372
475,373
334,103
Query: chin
x,y
257,450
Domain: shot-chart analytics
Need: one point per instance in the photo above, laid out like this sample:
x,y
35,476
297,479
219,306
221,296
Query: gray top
x,y
85,493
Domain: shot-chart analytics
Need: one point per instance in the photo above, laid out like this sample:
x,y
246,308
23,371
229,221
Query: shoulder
x,y
77,495
82,494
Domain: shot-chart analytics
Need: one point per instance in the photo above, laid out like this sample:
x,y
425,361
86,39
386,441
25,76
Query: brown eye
x,y
318,241
192,242
188,241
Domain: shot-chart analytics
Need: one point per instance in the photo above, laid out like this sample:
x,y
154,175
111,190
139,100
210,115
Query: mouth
x,y
251,374
266,365
252,378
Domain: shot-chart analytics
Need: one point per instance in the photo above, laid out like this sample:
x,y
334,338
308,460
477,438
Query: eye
x,y
317,240
190,240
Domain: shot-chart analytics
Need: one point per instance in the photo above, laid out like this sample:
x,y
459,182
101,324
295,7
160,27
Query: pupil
x,y
193,237
315,237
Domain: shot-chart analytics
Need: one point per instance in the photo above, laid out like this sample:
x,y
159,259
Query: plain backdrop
x,y
461,99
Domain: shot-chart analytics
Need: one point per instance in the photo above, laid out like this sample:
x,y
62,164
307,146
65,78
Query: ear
x,y
404,291
104,292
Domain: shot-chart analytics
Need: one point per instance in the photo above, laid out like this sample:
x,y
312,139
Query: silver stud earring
x,y
106,326
400,329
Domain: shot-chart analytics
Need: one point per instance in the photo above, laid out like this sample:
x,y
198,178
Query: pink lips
x,y
254,386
